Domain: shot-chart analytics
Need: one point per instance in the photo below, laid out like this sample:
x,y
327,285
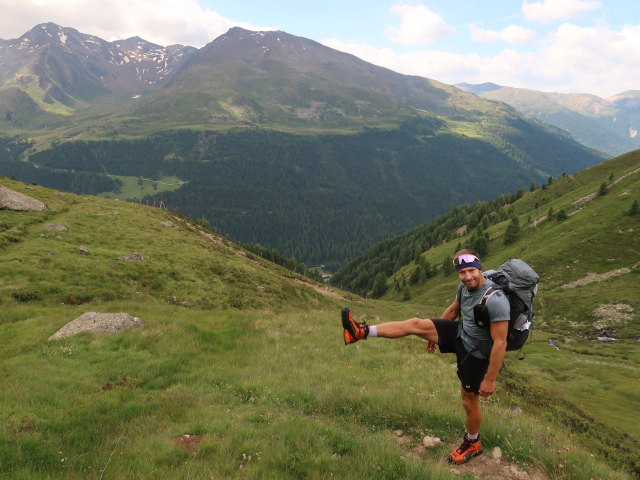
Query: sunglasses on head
x,y
465,258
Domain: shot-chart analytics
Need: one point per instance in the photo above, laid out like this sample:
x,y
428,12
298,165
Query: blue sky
x,y
569,46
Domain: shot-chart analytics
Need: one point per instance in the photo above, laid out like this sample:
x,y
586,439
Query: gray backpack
x,y
519,282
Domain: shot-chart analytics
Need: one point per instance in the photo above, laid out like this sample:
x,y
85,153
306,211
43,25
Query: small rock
x,y
516,473
336,456
496,453
132,257
514,412
399,433
431,442
168,223
55,227
84,250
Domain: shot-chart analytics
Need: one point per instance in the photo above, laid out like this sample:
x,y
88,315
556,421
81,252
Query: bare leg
x,y
471,404
422,327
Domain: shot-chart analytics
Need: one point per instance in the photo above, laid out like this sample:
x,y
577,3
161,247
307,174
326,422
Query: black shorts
x,y
471,370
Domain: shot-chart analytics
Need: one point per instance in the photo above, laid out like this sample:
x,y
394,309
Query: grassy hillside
x,y
239,370
587,256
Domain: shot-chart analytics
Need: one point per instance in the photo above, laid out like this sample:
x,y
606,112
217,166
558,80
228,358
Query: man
x,y
479,350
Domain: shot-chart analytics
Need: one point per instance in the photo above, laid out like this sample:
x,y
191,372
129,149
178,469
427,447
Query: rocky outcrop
x,y
132,257
12,200
95,322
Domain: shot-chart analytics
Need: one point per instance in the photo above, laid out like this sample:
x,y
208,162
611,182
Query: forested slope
x,y
321,198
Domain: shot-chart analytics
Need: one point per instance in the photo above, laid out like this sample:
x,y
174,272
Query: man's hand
x,y
487,387
431,347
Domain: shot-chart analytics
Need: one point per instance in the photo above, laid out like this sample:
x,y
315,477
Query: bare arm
x,y
499,335
452,311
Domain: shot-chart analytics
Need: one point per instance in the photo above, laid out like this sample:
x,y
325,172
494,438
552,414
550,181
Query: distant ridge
x,y
610,125
478,89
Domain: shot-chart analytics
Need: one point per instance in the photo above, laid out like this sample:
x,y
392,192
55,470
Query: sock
x,y
473,437
373,331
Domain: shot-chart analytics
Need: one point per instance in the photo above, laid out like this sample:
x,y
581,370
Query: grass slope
x,y
235,354
589,265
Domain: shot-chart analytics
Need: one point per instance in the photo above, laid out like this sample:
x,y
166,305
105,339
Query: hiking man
x,y
477,371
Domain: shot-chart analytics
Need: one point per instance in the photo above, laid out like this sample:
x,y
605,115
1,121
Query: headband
x,y
467,261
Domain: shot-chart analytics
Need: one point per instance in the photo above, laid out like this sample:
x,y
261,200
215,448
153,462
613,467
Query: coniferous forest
x,y
321,199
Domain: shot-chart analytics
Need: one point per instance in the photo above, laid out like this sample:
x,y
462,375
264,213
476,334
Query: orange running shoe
x,y
353,331
466,451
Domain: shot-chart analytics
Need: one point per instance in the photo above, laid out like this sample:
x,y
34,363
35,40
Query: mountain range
x,y
56,70
274,139
610,125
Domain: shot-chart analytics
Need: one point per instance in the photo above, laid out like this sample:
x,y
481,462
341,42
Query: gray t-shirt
x,y
499,311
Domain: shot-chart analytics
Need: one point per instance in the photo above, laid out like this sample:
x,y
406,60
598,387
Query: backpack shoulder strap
x,y
488,294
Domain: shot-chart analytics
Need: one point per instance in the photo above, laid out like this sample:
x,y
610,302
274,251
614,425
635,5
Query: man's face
x,y
472,278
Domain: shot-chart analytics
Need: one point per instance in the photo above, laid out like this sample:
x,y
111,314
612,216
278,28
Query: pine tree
x,y
416,275
561,215
512,231
379,285
480,243
406,294
635,208
603,189
550,213
447,266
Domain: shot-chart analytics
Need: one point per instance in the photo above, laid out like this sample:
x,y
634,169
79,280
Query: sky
x,y
566,46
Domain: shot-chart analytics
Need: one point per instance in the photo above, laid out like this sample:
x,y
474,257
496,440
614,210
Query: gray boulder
x,y
95,322
55,227
12,200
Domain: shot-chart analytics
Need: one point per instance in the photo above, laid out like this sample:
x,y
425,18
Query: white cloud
x,y
574,59
548,11
419,25
513,34
160,21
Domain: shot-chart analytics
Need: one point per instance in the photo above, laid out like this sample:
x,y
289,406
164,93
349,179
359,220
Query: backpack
x,y
519,282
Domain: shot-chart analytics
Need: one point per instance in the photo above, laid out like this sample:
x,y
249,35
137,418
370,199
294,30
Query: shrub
x,y
561,215
27,294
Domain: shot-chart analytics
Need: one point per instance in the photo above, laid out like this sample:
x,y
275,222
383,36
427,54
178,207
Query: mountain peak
x,y
87,67
47,34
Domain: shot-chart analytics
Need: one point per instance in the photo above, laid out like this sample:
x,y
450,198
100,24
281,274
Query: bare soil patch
x,y
489,465
190,442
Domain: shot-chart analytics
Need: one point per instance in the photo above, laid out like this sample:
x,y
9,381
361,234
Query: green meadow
x,y
137,188
240,370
